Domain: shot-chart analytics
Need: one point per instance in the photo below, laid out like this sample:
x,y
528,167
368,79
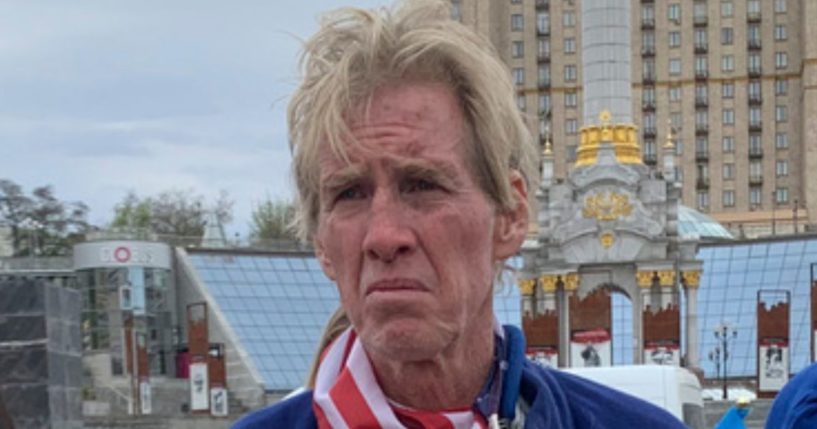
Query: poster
x,y
218,402
199,386
145,397
662,353
773,365
590,348
545,356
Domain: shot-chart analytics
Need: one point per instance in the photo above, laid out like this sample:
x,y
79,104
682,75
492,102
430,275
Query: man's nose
x,y
389,234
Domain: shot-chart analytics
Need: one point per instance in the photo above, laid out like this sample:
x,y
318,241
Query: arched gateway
x,y
610,227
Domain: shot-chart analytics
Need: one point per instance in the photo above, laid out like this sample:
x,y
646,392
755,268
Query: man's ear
x,y
320,252
512,224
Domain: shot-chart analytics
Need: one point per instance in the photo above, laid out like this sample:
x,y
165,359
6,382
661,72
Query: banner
x,y
773,366
145,397
545,356
590,348
218,402
199,386
662,353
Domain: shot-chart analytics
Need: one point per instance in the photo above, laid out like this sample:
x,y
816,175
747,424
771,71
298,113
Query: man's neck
x,y
451,380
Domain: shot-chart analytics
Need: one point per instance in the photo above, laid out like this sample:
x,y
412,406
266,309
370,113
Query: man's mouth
x,y
395,285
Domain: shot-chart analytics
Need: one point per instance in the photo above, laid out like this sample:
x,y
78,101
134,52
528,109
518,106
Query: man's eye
x,y
351,193
421,185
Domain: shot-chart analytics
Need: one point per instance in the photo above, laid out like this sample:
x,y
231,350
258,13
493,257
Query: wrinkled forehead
x,y
408,119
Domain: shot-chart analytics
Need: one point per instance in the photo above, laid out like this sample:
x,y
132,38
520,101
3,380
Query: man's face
x,y
404,230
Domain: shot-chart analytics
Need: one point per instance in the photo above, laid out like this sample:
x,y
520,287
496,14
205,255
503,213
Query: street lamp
x,y
724,334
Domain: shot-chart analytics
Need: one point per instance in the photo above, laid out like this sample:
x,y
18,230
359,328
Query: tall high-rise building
x,y
734,82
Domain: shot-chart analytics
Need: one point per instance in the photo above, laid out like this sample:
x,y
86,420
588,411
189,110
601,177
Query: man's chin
x,y
403,341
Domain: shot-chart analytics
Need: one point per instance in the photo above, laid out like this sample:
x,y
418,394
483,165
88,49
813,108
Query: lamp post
x,y
724,334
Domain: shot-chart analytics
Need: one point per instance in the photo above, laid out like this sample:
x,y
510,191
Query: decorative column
x,y
526,289
691,280
563,306
666,279
645,280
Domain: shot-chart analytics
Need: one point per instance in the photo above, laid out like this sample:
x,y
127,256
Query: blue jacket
x,y
557,400
796,405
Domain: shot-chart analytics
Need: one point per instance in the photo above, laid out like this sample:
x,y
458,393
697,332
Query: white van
x,y
672,388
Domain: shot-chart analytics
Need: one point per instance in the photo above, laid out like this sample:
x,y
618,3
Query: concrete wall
x,y
40,354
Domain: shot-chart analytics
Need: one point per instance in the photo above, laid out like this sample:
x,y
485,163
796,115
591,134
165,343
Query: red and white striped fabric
x,y
347,396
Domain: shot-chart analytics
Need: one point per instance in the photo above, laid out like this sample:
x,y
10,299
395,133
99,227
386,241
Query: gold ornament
x,y
692,279
607,206
644,278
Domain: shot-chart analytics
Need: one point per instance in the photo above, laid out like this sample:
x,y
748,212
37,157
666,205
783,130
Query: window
x,y
701,145
782,168
569,19
701,91
701,119
543,48
648,96
519,76
543,23
700,37
517,22
648,40
781,60
754,115
648,69
726,8
570,73
699,10
780,32
728,89
727,63
728,117
649,148
570,45
753,89
521,102
570,99
780,6
754,196
544,103
544,74
456,10
781,113
571,126
729,198
516,1
755,169
517,49
727,36
755,146
753,6
728,144
647,13
676,120
781,195
753,32
781,141
781,86
674,13
674,66
648,120
701,66
674,39
674,93
728,171
703,199
753,61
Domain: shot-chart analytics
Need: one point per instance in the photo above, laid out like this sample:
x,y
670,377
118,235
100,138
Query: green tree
x,y
272,220
40,223
174,212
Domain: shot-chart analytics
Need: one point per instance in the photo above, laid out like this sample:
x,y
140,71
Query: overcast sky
x,y
101,97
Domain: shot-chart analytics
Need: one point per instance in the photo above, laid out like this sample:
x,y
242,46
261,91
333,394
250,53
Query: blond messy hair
x,y
357,51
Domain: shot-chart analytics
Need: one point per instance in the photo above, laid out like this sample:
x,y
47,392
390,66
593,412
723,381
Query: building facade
x,y
734,80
